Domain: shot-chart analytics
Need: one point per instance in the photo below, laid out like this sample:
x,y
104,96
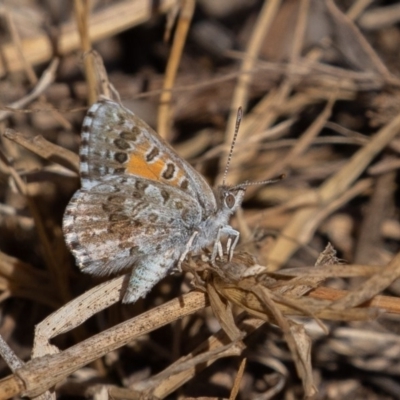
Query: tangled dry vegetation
x,y
309,304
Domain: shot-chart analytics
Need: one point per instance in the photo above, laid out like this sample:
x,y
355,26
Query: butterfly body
x,y
141,206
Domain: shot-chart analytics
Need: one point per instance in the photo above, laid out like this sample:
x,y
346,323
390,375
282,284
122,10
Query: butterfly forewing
x,y
115,141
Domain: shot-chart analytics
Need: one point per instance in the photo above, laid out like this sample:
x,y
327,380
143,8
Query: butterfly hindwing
x,y
109,229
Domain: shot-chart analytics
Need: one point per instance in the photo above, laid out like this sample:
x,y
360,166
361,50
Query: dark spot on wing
x,y
111,208
131,135
134,251
153,217
116,199
185,215
184,184
136,224
141,186
169,171
117,217
153,154
121,144
165,195
120,157
137,195
178,205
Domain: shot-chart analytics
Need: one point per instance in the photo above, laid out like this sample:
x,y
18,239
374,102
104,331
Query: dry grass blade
x,y
57,275
223,312
320,106
304,141
183,25
213,346
296,343
45,149
365,57
104,23
264,21
373,286
370,237
40,374
239,376
74,314
302,344
45,81
388,304
82,11
240,96
16,39
24,281
9,356
160,383
331,189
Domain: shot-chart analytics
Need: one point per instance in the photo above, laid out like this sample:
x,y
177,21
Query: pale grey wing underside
x,y
112,134
115,224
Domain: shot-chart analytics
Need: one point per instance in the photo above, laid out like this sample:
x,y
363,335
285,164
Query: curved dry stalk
x,y
41,374
182,29
107,22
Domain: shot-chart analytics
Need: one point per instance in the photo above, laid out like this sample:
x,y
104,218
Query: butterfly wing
x,y
115,142
125,220
139,203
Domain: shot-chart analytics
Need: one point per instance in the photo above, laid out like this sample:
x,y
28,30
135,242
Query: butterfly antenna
x,y
266,182
239,116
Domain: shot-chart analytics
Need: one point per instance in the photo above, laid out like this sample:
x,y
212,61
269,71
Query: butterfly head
x,y
229,198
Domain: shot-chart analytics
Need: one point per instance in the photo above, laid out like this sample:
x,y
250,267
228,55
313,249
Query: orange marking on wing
x,y
175,181
139,166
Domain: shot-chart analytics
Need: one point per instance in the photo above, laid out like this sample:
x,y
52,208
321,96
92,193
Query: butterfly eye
x,y
230,200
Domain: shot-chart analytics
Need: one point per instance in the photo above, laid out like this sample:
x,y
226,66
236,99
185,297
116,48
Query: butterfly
x,y
141,207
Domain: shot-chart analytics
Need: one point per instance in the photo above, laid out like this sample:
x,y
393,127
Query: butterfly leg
x,y
230,247
188,247
217,249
